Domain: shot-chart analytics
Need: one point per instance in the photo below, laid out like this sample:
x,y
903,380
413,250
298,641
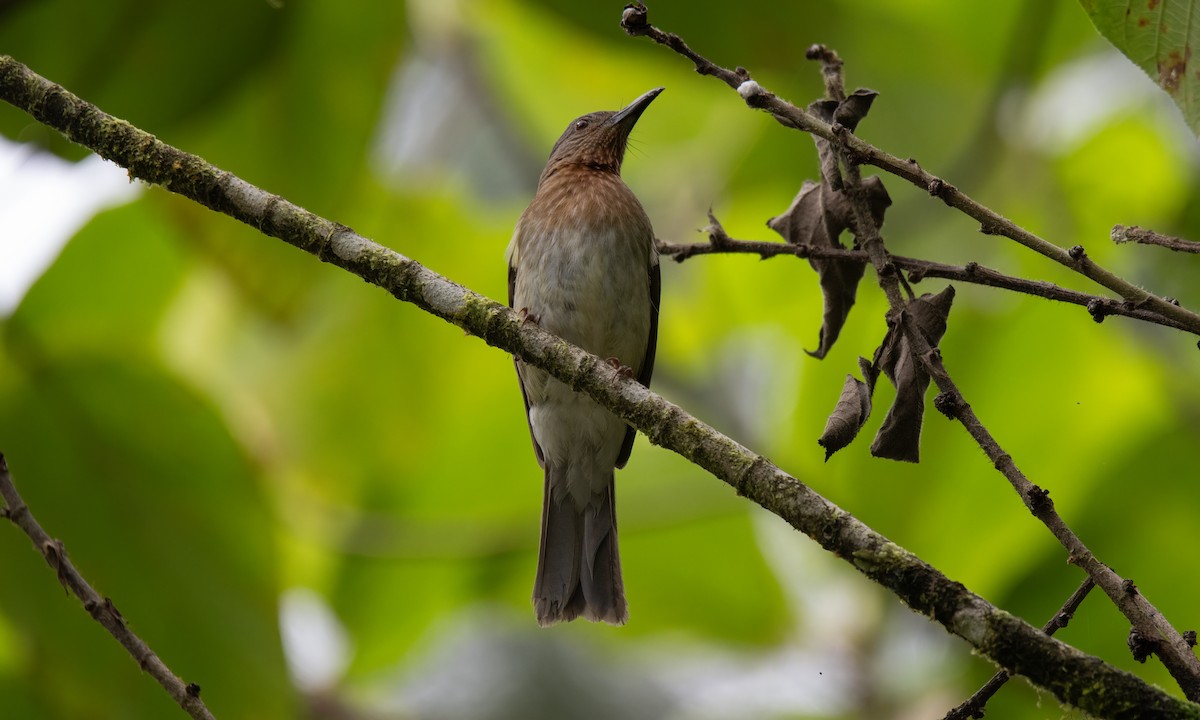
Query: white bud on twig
x,y
749,89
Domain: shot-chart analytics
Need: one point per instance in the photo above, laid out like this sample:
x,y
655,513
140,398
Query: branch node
x,y
1129,587
743,477
12,512
948,404
1038,499
111,609
936,187
1077,253
635,19
1098,309
193,690
1189,637
822,53
1141,646
56,557
717,237
752,93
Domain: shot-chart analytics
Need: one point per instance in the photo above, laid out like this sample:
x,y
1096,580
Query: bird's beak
x,y
625,119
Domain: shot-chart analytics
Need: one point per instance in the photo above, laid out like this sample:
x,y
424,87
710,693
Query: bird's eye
x,y
581,124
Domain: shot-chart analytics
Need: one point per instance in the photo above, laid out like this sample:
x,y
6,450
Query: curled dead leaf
x,y
826,155
816,218
899,438
854,108
848,416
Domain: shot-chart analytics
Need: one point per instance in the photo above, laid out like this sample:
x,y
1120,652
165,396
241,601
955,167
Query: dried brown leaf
x,y
824,110
854,108
816,218
899,438
852,410
848,113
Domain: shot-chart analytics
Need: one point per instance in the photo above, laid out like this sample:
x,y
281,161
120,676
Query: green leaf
x,y
1157,35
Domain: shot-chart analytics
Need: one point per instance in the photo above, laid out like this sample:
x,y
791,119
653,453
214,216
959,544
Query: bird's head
x,y
598,139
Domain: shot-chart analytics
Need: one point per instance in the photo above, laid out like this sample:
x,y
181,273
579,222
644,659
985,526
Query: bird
x,y
582,264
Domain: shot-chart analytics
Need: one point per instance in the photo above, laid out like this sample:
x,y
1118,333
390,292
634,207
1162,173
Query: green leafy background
x,y
208,418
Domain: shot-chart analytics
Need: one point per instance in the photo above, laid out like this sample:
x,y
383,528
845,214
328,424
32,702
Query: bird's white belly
x,y
599,299
594,293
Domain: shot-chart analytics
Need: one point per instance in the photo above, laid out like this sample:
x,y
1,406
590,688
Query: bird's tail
x,y
579,567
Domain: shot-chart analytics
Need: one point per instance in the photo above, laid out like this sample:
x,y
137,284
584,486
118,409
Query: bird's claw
x,y
622,370
528,317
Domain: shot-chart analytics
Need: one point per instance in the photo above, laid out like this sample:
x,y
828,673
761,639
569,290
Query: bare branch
x,y
1098,306
1122,234
1071,675
101,609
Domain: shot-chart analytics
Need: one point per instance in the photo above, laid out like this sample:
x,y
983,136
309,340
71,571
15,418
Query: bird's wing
x,y
512,289
647,368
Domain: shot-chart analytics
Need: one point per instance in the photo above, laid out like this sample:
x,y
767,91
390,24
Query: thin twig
x,y
635,22
973,706
100,608
1098,306
1071,675
1122,234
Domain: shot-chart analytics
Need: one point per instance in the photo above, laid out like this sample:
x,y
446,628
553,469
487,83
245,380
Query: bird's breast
x,y
583,259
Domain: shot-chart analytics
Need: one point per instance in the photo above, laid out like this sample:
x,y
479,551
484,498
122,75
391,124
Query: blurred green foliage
x,y
208,418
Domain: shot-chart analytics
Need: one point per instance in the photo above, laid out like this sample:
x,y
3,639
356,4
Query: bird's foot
x,y
623,370
528,317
